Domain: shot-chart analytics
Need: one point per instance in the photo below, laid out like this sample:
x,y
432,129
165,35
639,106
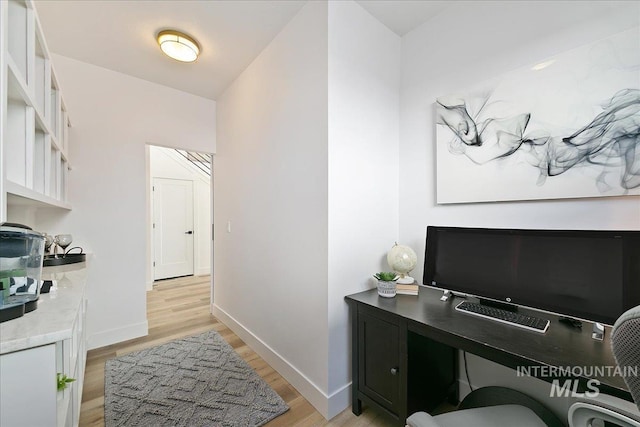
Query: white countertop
x,y
53,319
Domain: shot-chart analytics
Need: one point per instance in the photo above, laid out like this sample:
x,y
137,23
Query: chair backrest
x,y
625,342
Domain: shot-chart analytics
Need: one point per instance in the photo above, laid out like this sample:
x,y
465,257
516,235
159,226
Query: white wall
x,y
307,173
167,163
471,42
113,117
364,101
270,271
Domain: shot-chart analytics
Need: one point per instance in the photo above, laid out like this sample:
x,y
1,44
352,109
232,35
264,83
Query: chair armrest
x,y
421,419
611,403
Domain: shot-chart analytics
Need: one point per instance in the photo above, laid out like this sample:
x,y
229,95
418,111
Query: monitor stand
x,y
446,295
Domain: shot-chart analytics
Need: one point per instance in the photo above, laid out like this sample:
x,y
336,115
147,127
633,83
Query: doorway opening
x,y
180,214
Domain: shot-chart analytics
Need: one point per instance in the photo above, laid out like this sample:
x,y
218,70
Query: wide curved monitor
x,y
584,274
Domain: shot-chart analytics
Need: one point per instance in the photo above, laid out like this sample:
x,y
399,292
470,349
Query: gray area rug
x,y
194,381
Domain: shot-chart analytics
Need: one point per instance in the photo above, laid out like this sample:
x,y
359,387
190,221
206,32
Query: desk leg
x,y
356,406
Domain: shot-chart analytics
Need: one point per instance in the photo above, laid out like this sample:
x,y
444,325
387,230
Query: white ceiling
x,y
120,35
402,16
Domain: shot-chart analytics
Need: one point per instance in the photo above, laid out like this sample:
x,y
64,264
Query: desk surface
x,y
561,346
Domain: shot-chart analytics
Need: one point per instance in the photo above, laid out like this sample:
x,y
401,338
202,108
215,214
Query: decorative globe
x,y
402,259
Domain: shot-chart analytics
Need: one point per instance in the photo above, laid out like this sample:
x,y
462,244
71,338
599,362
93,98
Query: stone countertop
x,y
56,313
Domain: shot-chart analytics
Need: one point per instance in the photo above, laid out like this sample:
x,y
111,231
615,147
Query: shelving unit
x,y
35,124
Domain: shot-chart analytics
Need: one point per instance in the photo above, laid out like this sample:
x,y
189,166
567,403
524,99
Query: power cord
x,y
466,369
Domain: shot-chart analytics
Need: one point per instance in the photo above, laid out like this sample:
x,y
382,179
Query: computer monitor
x,y
588,275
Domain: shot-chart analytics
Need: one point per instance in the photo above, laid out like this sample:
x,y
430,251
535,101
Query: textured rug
x,y
194,381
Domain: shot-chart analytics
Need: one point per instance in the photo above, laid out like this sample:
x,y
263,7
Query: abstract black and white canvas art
x,y
566,127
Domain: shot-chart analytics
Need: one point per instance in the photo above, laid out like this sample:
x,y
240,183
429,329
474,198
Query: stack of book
x,y
407,289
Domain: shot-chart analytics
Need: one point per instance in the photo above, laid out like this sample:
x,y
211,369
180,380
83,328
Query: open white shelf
x,y
21,26
35,136
18,195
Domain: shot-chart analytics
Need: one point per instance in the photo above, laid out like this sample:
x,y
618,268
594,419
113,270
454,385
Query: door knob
x,y
394,371
188,232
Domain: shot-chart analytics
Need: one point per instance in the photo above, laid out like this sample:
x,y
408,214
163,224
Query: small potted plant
x,y
386,283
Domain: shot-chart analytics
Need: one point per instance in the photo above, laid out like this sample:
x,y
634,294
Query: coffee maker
x,y
21,255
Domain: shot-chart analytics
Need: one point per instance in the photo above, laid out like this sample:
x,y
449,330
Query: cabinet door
x,y
379,359
28,387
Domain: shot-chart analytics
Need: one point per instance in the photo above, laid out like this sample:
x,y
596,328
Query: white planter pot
x,y
387,289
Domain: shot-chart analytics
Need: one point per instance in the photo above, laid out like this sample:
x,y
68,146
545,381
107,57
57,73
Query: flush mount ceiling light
x,y
178,46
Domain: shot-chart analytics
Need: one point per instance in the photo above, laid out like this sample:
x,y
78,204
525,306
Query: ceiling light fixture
x,y
178,46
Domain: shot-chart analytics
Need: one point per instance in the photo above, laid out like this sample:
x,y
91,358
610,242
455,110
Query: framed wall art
x,y
567,127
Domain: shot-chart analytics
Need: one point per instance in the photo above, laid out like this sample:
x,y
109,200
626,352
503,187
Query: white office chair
x,y
625,342
515,409
491,407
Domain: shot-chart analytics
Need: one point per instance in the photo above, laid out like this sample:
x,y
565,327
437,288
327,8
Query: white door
x,y
172,228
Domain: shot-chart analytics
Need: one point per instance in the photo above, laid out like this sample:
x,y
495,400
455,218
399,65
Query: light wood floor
x,y
178,308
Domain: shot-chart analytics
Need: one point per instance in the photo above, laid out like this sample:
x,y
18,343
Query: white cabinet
x,y
28,389
28,375
34,137
36,347
70,360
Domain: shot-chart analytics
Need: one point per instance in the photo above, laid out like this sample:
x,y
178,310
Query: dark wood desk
x,y
404,355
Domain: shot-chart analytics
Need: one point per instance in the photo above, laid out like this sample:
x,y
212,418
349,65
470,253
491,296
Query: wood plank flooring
x,y
180,307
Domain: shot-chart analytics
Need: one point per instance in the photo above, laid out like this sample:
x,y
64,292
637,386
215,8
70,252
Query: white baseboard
x,y
113,336
205,271
339,400
150,286
327,405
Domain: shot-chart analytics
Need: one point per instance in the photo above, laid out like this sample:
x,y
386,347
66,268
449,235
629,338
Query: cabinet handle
x,y
394,371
